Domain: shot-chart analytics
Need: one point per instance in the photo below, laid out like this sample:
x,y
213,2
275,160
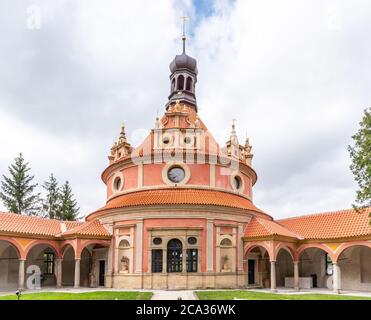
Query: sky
x,y
295,74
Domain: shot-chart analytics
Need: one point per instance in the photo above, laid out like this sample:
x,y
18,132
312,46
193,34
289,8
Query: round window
x,y
192,240
117,184
166,140
237,183
187,140
157,241
176,174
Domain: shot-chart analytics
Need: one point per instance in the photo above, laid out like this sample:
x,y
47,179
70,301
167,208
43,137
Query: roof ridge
x,y
277,223
37,217
79,227
325,213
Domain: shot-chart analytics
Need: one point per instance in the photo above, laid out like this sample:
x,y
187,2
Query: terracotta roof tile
x,y
262,227
16,223
92,228
330,225
36,226
181,196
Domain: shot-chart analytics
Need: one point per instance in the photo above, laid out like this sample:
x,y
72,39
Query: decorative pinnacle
x,y
233,124
122,133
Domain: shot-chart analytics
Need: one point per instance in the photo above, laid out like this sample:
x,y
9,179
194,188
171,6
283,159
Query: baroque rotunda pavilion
x,y
180,214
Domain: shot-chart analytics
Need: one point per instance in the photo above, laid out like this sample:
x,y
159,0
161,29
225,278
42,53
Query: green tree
x,y
52,201
68,208
360,154
18,191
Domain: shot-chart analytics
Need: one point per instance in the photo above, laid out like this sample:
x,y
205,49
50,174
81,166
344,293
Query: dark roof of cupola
x,y
184,62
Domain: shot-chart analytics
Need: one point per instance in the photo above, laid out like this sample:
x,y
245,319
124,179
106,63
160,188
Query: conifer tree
x,y
68,208
17,190
52,202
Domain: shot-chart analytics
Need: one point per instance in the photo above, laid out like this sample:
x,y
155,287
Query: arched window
x,y
124,244
189,84
226,242
180,83
174,256
172,85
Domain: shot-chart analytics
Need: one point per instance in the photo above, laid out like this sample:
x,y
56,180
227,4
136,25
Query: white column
x,y
273,276
240,247
139,247
140,175
296,275
21,274
77,273
59,273
336,277
209,245
131,262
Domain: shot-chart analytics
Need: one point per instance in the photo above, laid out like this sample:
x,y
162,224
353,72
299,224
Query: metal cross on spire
x,y
184,38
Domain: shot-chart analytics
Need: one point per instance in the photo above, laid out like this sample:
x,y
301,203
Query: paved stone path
x,y
173,295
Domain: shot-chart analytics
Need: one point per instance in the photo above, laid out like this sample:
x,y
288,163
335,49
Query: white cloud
x,y
295,75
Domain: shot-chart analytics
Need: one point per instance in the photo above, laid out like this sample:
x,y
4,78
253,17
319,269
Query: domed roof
x,y
183,61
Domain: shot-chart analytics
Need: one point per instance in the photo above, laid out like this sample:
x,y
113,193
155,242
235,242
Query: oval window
x,y
187,140
237,183
157,241
176,174
166,140
117,184
192,240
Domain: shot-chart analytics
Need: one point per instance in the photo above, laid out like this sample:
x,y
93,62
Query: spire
x,y
183,76
121,147
234,138
122,137
184,38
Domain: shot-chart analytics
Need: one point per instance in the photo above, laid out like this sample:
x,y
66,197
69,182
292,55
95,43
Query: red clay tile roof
x,y
330,225
92,229
181,196
36,226
262,227
16,223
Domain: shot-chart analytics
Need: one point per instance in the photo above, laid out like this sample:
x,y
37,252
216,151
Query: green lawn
x,y
253,295
98,295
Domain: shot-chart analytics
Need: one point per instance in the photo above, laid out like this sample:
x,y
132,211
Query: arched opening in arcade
x,y
41,259
9,266
90,267
284,268
68,267
315,269
258,267
354,264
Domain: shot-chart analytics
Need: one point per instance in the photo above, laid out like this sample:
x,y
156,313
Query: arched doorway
x,y
355,268
315,268
258,267
284,268
174,256
9,265
44,257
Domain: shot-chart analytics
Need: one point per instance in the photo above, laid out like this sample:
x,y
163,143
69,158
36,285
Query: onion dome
x,y
184,62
